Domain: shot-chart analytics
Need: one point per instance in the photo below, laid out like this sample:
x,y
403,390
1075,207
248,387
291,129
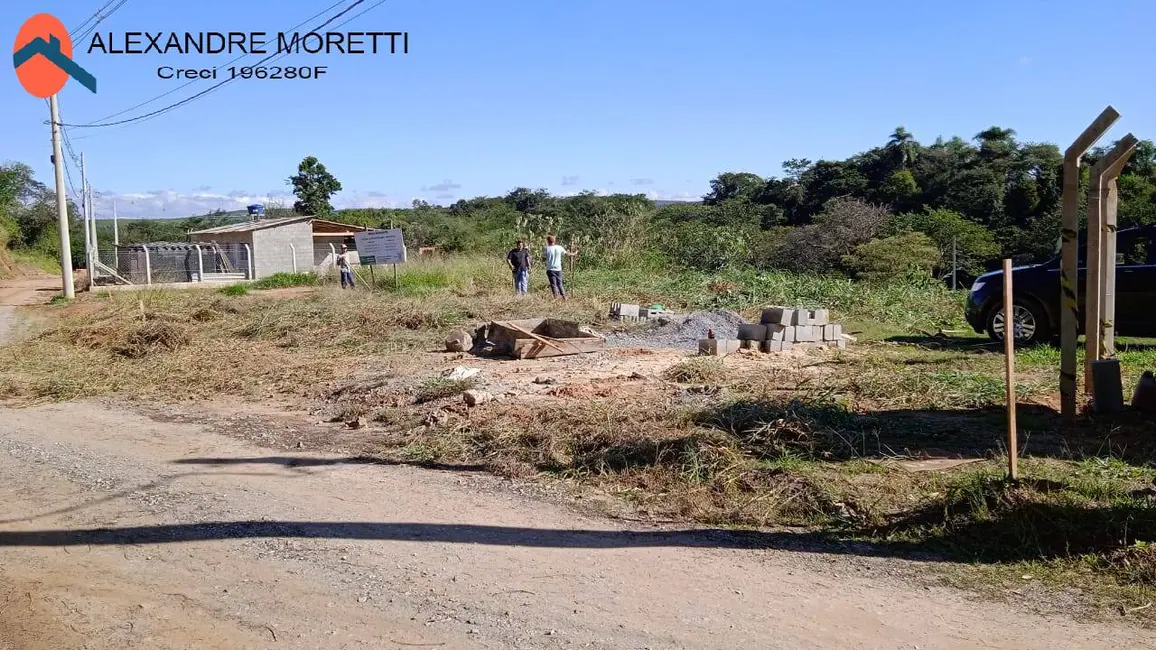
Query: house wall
x,y
272,253
323,257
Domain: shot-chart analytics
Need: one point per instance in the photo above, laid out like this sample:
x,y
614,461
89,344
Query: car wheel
x,y
1030,323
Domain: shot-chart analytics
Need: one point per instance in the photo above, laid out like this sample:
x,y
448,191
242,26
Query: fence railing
x,y
178,262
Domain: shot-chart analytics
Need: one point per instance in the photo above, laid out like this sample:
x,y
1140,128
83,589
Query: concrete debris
x,y
459,373
356,423
459,341
545,380
476,397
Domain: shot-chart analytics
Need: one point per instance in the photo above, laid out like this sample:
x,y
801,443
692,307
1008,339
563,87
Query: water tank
x,y
256,211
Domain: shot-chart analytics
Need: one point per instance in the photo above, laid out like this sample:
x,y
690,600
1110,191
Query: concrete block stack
x,y
637,313
781,329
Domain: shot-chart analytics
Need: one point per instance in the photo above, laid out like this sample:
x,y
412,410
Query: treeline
x,y
899,208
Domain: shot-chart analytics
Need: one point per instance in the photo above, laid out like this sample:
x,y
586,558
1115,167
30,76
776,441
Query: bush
x,y
911,254
233,290
974,244
820,248
698,246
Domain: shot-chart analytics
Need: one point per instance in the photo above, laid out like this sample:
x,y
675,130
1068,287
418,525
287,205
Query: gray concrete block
x,y
717,347
748,344
804,333
628,311
781,332
771,346
786,346
802,317
820,317
777,316
833,332
752,332
1107,386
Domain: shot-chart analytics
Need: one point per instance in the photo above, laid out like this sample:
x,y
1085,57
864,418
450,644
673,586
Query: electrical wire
x,y
94,15
193,81
208,90
68,148
92,28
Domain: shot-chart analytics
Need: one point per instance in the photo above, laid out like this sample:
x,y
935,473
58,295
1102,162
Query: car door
x,y
1136,284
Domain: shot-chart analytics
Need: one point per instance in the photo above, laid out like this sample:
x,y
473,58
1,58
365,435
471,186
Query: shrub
x,y
974,244
911,254
285,280
819,248
233,290
704,248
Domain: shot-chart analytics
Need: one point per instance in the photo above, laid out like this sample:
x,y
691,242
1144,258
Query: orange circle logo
x,y
40,75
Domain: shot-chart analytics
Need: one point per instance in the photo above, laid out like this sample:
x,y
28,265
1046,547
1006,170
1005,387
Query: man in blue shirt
x,y
554,254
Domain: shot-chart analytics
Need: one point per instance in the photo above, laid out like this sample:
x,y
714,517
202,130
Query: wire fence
x,y
162,263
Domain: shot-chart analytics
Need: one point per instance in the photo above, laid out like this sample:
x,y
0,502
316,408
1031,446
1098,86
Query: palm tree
x,y
903,146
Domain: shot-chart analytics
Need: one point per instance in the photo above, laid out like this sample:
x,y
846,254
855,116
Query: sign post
x,y
381,247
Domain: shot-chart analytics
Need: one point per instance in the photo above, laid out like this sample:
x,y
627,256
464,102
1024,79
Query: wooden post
x,y
1009,350
1101,278
1110,203
1069,275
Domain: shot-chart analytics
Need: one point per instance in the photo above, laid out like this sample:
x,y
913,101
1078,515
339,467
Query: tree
x,y
314,186
903,147
733,185
911,254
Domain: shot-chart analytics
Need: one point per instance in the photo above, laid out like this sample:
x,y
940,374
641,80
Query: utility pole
x,y
61,202
115,228
95,246
84,210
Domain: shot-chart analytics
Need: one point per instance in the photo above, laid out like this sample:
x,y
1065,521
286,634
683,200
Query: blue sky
x,y
653,96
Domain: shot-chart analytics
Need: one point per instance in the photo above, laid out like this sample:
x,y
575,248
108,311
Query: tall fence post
x,y
249,260
1069,275
148,264
200,265
293,251
333,254
954,266
1009,351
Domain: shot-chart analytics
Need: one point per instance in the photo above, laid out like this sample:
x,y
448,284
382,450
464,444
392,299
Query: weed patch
x,y
696,370
234,290
438,388
287,280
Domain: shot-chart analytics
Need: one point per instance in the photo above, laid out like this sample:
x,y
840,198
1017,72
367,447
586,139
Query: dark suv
x,y
1036,293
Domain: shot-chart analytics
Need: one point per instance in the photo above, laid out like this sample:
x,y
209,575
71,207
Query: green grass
x,y
437,388
286,280
234,290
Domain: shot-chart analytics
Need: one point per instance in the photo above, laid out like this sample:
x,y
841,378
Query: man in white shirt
x,y
554,254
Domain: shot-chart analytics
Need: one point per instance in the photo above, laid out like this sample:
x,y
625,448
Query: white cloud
x,y
173,204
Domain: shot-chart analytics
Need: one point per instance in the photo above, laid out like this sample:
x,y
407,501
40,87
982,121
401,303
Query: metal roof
x,y
249,226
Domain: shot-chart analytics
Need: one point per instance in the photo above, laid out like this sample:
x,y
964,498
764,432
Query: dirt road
x,y
118,531
20,292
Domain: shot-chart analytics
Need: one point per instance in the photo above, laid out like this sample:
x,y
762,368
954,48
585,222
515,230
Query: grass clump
x,y
439,388
150,338
234,290
697,370
287,280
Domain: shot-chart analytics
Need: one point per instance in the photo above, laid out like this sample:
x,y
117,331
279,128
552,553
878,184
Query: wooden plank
x,y
530,334
532,349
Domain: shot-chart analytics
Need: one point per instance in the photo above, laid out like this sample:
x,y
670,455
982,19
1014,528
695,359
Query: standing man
x,y
554,254
343,266
519,261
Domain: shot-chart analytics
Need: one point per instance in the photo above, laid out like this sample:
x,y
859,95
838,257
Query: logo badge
x,y
43,57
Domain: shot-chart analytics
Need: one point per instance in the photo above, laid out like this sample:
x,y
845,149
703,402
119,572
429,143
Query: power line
x,y
94,15
193,81
92,28
208,90
64,163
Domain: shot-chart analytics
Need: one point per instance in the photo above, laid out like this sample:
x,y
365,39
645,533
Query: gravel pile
x,y
679,331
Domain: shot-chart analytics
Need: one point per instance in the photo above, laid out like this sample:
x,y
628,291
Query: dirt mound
x,y
679,331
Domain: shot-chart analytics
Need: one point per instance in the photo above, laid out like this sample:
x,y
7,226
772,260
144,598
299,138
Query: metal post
x,y
249,259
200,265
61,202
148,264
1069,274
115,240
293,251
1108,271
954,272
1100,262
333,254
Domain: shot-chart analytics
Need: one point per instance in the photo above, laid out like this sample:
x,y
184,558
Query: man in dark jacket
x,y
519,261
